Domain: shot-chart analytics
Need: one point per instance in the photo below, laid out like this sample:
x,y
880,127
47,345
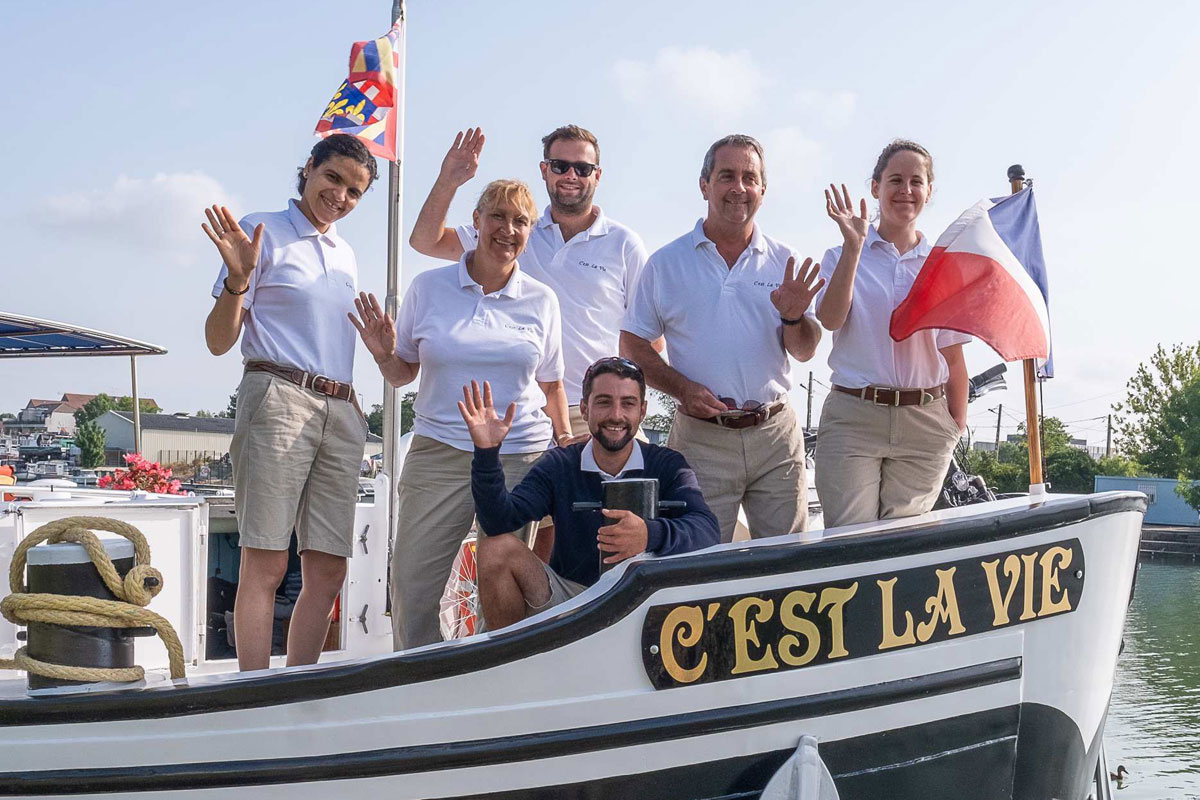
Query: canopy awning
x,y
27,337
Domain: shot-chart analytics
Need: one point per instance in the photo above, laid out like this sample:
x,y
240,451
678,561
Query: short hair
x,y
511,191
895,146
736,140
571,133
339,144
613,365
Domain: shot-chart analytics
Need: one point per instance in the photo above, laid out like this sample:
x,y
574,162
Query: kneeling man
x,y
513,582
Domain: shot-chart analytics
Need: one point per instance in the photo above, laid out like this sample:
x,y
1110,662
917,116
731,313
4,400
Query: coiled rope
x,y
136,590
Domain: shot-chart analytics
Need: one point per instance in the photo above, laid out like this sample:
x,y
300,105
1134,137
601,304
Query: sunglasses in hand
x,y
560,167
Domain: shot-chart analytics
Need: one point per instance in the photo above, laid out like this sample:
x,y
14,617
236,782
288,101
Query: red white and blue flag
x,y
986,276
365,104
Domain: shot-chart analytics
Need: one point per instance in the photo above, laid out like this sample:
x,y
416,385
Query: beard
x,y
612,445
572,207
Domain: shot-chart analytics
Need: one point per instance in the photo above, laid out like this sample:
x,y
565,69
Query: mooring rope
x,y
136,590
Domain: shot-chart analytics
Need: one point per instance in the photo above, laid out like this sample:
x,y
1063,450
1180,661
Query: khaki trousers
x,y
759,468
296,456
435,512
880,462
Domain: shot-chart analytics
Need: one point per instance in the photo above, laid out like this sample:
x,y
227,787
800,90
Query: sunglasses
x,y
560,167
614,361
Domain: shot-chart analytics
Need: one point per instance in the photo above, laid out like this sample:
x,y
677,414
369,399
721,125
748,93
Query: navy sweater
x,y
555,481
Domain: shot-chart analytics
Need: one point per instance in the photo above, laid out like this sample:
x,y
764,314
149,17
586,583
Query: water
x,y
1154,720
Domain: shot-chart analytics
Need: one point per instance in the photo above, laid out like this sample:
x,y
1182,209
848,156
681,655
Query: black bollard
x,y
66,569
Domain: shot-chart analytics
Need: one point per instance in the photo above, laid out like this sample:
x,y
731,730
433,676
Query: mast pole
x,y
1033,428
391,303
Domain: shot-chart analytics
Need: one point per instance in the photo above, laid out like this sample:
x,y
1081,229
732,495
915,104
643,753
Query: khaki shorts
x,y
561,590
296,456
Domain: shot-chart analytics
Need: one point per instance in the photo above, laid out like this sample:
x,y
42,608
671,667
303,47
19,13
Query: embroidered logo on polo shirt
x,y
512,326
590,265
768,284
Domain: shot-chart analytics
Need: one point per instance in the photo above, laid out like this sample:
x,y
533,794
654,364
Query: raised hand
x,y
462,159
793,297
377,330
841,210
486,428
238,251
624,537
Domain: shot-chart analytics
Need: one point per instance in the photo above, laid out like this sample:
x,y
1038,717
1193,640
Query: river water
x,y
1154,719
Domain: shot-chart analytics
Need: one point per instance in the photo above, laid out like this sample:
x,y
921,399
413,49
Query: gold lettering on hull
x,y
803,626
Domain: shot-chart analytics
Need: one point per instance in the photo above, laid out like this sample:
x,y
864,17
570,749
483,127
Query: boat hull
x,y
584,701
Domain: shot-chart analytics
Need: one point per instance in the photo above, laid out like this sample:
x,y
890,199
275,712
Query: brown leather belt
x,y
306,380
884,396
745,419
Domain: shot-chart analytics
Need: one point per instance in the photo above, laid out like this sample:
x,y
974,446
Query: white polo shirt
x,y
510,338
592,275
864,353
587,460
722,329
303,287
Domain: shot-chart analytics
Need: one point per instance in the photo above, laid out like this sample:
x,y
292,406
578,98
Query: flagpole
x,y
1033,428
391,417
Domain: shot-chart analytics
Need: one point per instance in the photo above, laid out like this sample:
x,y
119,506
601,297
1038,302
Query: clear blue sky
x,y
125,118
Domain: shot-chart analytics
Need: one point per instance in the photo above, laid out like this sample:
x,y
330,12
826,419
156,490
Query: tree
x,y
125,403
96,407
1071,470
407,415
90,438
661,421
1118,466
230,411
202,414
7,416
1146,422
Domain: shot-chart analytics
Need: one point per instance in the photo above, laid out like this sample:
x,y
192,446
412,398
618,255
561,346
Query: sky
x,y
113,146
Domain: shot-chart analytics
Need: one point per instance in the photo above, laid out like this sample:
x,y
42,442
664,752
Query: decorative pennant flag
x,y
985,276
365,104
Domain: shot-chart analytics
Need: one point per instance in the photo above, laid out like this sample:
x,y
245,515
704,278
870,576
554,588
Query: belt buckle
x,y
319,382
875,390
926,398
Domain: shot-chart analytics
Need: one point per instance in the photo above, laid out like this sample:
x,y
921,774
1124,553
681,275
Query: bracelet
x,y
565,435
796,321
225,283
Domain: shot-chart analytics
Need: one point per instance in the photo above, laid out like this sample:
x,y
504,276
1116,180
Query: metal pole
x,y
137,408
808,419
391,303
1033,430
1108,438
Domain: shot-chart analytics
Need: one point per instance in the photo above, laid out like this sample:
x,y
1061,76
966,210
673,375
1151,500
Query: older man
x,y
589,260
732,307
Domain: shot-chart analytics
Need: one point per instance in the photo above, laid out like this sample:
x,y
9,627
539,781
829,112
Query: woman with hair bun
x,y
284,287
479,317
897,409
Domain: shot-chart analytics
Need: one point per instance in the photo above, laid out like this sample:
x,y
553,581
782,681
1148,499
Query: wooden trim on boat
x,y
509,749
639,581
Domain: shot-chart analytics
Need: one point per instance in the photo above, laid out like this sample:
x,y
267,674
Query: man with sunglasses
x,y
589,260
513,582
732,304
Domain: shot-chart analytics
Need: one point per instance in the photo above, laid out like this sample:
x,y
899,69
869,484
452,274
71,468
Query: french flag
x,y
985,276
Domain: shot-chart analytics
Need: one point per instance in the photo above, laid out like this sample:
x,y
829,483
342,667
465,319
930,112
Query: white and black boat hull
x,y
967,653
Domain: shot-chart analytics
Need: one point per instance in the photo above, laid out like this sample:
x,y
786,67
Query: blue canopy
x,y
26,337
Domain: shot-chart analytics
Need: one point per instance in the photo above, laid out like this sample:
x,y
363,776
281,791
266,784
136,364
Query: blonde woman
x,y
479,317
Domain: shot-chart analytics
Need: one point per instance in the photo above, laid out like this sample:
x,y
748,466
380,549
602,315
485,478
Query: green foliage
x,y
1071,471
202,414
90,438
96,407
7,416
1148,421
407,415
1190,492
125,403
230,411
1118,466
663,420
